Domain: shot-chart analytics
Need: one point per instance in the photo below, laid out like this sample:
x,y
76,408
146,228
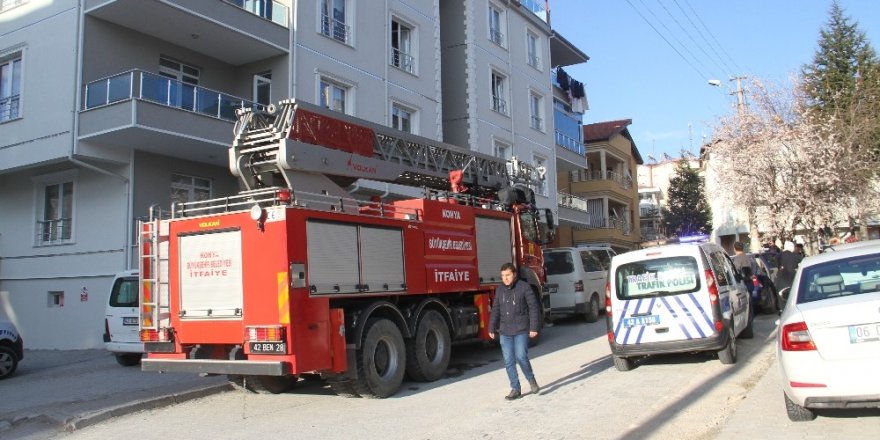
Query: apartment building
x,y
111,107
497,97
653,185
604,192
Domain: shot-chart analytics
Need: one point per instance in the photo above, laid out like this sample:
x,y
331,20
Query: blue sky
x,y
634,74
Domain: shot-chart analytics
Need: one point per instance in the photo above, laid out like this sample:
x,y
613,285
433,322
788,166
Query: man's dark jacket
x,y
515,310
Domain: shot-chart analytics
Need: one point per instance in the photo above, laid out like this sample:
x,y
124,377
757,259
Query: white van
x,y
576,278
675,298
121,320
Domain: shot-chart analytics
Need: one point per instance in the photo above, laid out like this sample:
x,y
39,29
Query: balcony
x,y
403,60
235,32
335,29
587,181
143,110
9,107
53,231
535,7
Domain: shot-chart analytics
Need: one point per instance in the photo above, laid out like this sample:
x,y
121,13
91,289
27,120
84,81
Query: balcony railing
x,y
567,200
536,7
599,223
53,231
136,84
586,175
9,107
496,36
402,60
649,212
268,9
534,60
335,29
499,105
537,123
570,144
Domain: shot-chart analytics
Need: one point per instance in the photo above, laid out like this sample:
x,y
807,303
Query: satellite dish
x,y
651,158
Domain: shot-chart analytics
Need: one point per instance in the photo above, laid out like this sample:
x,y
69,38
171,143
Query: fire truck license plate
x,y
269,347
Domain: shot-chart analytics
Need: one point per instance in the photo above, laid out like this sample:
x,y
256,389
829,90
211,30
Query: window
x,y
55,298
333,20
496,25
10,87
189,189
55,213
541,164
401,46
333,95
263,88
502,150
533,49
182,90
536,111
402,118
499,93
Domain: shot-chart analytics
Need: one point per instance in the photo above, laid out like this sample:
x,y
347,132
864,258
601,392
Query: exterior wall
x,y
43,133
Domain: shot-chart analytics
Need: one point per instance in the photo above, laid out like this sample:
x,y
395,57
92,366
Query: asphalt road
x,y
583,396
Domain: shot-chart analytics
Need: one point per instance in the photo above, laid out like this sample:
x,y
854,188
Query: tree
x,y
687,211
843,60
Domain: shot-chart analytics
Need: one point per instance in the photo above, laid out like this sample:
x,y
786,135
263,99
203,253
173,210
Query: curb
x,y
83,420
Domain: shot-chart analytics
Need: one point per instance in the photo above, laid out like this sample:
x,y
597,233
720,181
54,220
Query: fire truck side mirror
x,y
550,220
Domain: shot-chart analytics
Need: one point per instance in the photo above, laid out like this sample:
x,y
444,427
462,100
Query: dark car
x,y
768,300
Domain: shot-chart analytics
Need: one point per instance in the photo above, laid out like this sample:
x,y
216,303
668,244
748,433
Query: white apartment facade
x,y
108,107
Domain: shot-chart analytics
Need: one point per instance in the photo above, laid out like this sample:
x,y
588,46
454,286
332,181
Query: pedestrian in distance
x,y
799,249
515,318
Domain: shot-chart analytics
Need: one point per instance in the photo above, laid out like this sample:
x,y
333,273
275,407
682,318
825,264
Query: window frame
x,y
497,145
11,98
533,49
262,79
41,184
348,88
496,34
398,55
536,111
346,23
498,90
191,188
413,116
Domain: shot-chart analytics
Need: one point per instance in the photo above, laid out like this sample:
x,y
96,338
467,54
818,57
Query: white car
x,y
121,336
828,345
11,349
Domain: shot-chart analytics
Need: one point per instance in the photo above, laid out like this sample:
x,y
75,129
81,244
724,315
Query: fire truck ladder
x,y
298,136
153,269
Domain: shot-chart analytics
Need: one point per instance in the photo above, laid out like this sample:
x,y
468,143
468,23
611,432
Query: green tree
x,y
841,65
687,212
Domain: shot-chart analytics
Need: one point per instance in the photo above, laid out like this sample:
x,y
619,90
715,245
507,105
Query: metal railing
x,y
137,84
53,231
567,200
496,36
569,143
537,123
586,175
534,60
9,107
402,60
499,105
268,9
335,29
535,7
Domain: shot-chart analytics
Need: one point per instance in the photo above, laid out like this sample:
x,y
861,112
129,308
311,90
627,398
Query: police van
x,y
121,324
676,298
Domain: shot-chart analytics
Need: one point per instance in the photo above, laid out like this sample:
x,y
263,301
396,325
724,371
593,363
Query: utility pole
x,y
740,96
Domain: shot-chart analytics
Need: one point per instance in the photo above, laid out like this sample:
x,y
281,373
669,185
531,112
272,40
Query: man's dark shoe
x,y
535,387
514,394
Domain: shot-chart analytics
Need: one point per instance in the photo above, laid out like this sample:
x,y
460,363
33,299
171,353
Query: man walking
x,y
515,318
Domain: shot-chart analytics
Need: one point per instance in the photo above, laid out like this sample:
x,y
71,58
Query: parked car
x,y
576,278
769,298
11,349
855,244
121,320
828,345
678,298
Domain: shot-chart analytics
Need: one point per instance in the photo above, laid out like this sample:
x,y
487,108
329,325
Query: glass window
x,y
657,277
189,189
499,93
528,224
124,293
333,95
718,263
263,88
532,49
590,262
10,88
401,118
558,263
57,219
496,23
333,20
502,150
401,46
844,277
536,111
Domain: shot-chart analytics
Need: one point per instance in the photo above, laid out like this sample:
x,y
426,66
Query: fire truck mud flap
x,y
256,368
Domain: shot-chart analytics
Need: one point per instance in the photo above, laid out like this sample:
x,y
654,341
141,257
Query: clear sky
x,y
634,74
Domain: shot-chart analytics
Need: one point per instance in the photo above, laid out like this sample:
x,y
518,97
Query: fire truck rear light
x,y
161,335
264,333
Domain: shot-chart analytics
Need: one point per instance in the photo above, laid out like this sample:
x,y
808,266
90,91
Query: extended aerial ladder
x,y
295,136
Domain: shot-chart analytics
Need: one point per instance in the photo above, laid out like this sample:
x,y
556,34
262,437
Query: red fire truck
x,y
295,276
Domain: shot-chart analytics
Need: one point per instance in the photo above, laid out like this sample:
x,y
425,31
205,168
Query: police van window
x,y
124,293
718,266
590,262
657,277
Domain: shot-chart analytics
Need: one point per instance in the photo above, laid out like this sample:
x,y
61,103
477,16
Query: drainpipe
x,y
71,155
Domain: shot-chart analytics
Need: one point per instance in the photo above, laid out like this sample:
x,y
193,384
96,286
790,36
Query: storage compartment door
x,y
333,257
494,248
382,259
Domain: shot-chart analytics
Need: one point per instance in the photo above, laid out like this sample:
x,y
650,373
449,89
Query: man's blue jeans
x,y
515,350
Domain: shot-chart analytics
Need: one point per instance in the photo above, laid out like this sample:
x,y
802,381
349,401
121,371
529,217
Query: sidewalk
x,y
70,389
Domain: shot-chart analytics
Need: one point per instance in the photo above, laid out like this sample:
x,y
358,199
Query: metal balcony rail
x,y
335,29
9,4
9,107
499,105
402,60
534,60
569,143
268,9
53,231
537,123
137,84
496,36
567,200
600,223
586,175
535,7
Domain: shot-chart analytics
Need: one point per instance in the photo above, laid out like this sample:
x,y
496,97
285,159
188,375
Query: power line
x,y
671,33
667,41
712,35
691,37
703,37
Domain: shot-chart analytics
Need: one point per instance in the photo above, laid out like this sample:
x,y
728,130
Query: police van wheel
x,y
727,355
128,359
8,362
427,354
622,363
381,360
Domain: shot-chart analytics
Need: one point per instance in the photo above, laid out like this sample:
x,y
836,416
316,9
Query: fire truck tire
x,y
427,354
128,359
381,360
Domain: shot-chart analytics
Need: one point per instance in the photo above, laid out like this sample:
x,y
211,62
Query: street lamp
x,y
740,97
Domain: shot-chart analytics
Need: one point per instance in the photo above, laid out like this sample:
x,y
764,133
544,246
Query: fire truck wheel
x,y
381,360
427,354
